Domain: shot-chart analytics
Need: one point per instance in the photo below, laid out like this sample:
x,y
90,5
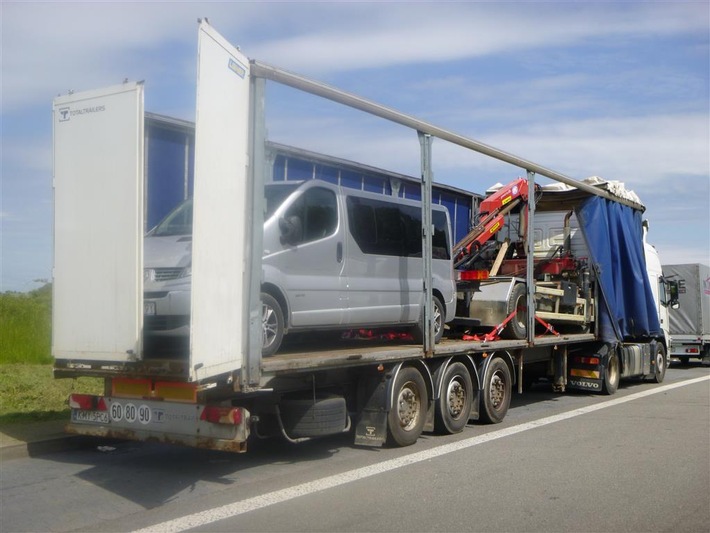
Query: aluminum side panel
x,y
220,293
98,224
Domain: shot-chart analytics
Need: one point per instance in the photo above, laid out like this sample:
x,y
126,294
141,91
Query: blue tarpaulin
x,y
614,235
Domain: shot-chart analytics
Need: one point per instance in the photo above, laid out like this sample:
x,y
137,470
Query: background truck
x,y
584,316
690,321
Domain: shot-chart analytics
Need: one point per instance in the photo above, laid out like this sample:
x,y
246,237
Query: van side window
x,y
317,211
386,228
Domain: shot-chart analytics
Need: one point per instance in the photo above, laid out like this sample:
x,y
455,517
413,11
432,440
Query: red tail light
x,y
87,402
587,360
222,415
473,275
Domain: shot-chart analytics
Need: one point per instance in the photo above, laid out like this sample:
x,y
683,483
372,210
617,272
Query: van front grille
x,y
165,274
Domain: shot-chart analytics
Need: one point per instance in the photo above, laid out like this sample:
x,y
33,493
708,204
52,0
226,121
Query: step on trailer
x,y
223,390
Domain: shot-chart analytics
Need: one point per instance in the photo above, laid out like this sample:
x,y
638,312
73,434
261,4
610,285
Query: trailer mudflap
x,y
584,384
371,429
202,426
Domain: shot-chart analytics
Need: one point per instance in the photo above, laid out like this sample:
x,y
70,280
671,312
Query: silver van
x,y
334,258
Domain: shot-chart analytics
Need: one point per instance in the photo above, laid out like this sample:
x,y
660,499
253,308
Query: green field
x,y
28,392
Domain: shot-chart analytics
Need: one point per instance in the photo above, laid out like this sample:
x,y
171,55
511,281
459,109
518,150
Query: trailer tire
x,y
497,390
455,400
518,326
308,417
660,363
439,317
407,415
272,323
612,374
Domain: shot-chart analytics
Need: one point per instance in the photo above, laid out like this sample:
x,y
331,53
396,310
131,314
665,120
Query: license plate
x,y
149,308
94,417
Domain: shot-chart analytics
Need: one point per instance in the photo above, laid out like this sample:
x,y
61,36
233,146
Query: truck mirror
x,y
673,293
291,230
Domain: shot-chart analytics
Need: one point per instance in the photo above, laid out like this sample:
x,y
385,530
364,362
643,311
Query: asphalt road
x,y
635,461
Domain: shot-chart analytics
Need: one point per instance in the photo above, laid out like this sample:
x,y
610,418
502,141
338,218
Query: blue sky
x,y
619,90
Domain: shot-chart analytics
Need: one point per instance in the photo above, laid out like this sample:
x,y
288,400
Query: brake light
x,y
587,360
87,402
692,350
222,415
473,275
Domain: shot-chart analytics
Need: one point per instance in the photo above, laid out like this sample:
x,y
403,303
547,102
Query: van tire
x,y
272,323
439,318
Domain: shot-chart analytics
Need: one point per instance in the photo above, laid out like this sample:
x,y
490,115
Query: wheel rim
x,y
269,324
456,394
437,320
408,406
497,390
660,362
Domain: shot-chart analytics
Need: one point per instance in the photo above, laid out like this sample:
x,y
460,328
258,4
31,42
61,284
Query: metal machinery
x,y
491,273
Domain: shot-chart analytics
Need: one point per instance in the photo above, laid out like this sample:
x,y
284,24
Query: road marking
x,y
265,500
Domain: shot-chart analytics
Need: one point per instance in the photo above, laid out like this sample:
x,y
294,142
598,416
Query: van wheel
x,y
272,323
405,421
518,326
439,314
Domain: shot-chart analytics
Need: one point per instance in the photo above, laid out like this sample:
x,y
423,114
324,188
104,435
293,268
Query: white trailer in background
x,y
222,390
690,321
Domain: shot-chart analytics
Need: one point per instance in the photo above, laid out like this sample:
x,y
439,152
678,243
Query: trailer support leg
x,y
560,357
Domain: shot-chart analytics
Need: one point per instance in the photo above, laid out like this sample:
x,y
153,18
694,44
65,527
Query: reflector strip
x,y
130,388
179,392
591,374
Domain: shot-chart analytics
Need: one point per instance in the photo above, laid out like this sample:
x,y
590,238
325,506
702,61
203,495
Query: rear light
x,y
692,350
222,415
587,360
87,402
473,275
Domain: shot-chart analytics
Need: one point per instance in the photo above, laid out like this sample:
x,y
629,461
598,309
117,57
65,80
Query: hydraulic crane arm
x,y
491,212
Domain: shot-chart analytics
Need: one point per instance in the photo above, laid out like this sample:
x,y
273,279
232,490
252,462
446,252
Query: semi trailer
x,y
690,320
564,286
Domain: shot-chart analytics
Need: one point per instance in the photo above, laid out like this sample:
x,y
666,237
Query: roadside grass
x,y
28,391
26,326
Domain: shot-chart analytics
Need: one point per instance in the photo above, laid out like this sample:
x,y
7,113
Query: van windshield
x,y
275,194
179,221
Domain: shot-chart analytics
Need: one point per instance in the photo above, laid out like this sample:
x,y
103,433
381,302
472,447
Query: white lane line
x,y
265,500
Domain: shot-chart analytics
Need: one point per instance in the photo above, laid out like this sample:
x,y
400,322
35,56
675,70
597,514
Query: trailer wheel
x,y
313,417
405,420
612,374
439,317
661,363
455,400
497,390
518,326
272,323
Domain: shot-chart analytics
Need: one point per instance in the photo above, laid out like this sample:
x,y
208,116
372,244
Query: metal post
x,y
530,255
425,141
258,168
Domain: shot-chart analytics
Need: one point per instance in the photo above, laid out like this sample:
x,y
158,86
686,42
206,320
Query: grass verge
x,y
29,393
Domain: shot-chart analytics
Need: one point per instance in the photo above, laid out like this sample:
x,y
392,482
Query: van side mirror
x,y
291,230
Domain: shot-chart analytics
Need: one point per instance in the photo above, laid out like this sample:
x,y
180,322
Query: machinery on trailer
x,y
222,389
